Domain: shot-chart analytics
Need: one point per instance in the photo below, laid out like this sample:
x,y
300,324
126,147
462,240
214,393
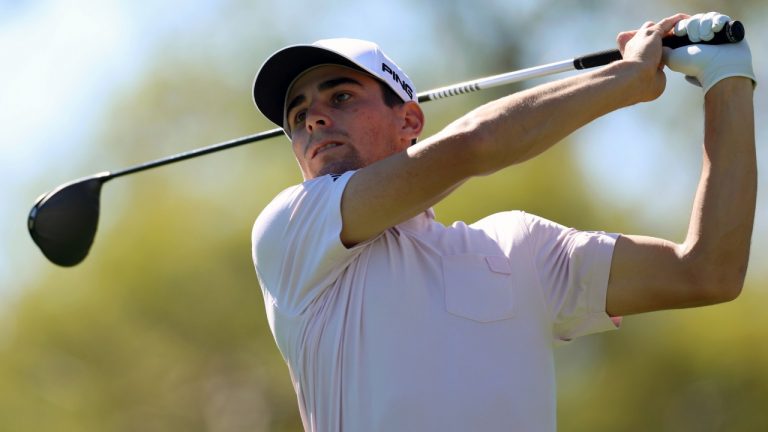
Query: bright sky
x,y
64,62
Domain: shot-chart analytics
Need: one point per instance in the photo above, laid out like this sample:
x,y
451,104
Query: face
x,y
338,121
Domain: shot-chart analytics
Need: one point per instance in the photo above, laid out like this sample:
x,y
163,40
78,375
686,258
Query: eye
x,y
341,97
299,116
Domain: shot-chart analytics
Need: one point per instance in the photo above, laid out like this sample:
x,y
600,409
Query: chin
x,y
340,167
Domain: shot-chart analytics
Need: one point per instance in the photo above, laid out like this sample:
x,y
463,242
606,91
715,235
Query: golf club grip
x,y
732,32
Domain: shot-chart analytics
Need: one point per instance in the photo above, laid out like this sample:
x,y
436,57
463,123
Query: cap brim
x,y
279,71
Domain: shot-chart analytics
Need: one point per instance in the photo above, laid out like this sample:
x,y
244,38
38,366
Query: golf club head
x,y
63,222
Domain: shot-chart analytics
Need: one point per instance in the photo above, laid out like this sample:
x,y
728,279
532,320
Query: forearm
x,y
520,126
721,222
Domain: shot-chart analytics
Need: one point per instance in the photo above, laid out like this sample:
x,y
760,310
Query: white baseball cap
x,y
284,67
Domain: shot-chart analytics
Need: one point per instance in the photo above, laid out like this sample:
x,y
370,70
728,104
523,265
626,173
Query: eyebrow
x,y
325,85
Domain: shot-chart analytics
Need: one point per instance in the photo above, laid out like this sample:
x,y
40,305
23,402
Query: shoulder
x,y
515,229
503,224
311,195
296,248
302,215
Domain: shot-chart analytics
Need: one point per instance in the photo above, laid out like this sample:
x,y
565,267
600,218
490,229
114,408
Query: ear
x,y
412,121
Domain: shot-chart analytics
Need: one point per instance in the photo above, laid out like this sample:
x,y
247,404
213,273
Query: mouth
x,y
325,146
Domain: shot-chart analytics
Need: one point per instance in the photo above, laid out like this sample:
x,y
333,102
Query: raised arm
x,y
709,266
499,134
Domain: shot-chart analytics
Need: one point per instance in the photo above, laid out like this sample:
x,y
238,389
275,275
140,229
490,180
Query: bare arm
x,y
499,134
709,266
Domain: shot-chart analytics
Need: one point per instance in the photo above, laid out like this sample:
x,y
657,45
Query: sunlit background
x,y
162,327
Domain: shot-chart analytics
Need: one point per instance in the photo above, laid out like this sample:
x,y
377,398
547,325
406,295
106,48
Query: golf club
x,y
63,222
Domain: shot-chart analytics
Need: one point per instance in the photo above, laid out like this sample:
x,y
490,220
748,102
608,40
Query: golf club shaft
x,y
197,152
443,92
732,32
440,93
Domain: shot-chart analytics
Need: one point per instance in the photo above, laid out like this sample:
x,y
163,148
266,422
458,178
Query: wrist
x,y
739,87
637,82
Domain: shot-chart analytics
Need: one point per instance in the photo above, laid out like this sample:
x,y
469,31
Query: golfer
x,y
391,321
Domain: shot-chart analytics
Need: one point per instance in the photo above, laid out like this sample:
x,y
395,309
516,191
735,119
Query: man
x,y
390,321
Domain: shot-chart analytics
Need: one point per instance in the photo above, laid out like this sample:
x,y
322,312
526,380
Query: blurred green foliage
x,y
162,328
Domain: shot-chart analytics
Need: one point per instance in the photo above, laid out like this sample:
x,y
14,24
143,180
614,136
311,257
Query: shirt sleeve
x,y
573,268
296,247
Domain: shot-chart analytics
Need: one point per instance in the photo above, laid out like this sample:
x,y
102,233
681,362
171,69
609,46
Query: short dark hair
x,y
391,99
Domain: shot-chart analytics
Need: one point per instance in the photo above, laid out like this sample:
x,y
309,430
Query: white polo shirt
x,y
425,327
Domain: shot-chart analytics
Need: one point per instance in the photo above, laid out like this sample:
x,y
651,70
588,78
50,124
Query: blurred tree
x,y
698,369
162,327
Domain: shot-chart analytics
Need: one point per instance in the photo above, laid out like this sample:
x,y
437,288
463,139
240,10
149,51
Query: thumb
x,y
623,38
691,59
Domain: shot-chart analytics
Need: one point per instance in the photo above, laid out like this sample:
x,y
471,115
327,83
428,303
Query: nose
x,y
317,117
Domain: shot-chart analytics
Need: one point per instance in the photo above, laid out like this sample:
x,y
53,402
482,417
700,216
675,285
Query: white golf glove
x,y
705,65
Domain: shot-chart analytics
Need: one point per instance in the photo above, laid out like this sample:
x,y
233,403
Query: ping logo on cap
x,y
406,87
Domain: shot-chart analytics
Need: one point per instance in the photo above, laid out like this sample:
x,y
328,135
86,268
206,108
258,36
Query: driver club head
x,y
63,222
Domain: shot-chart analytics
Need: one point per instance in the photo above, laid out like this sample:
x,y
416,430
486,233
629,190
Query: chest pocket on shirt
x,y
479,287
